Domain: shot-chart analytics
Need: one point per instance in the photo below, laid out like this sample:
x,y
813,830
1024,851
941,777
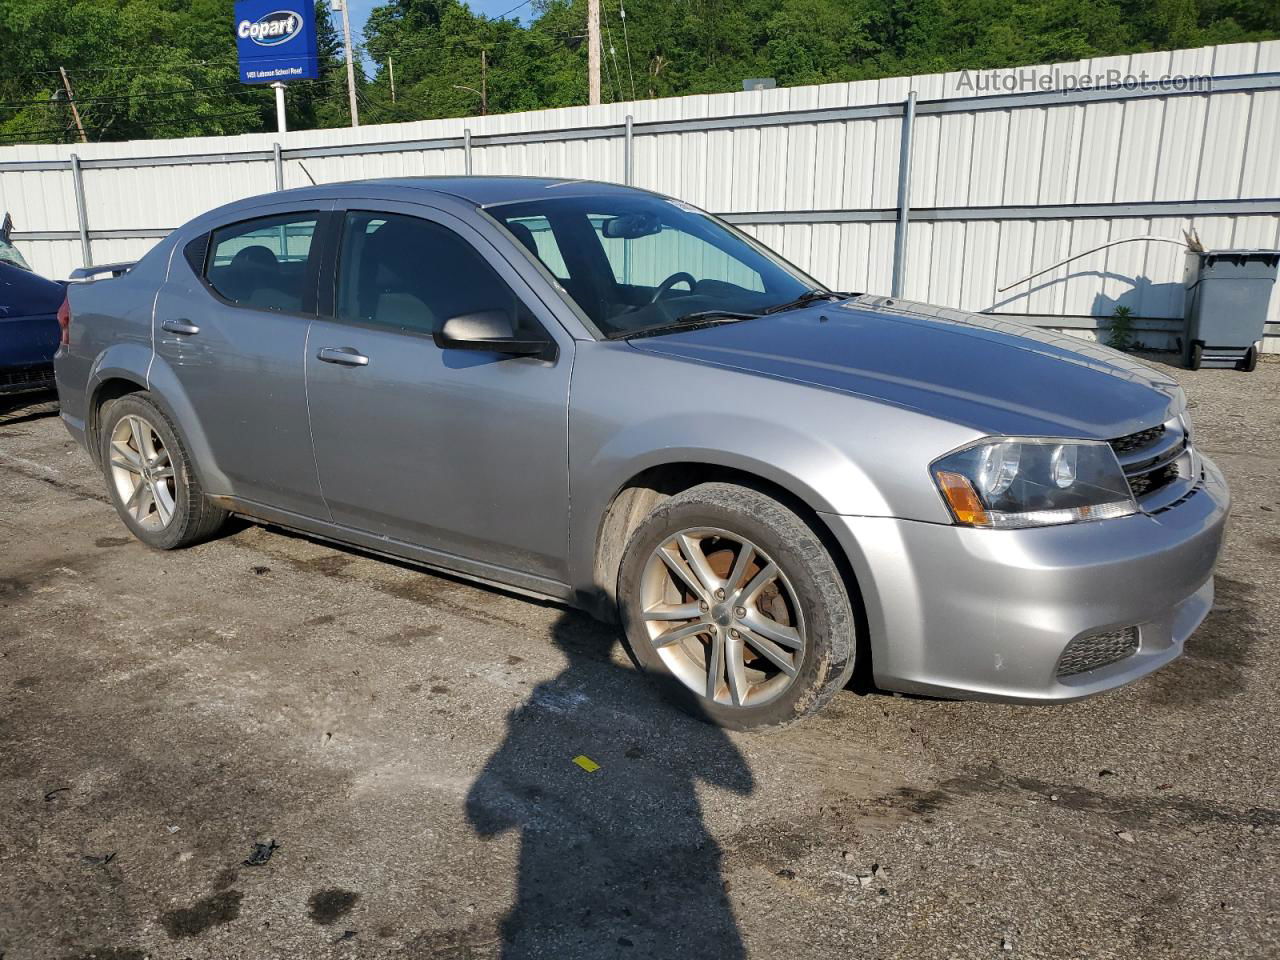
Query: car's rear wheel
x,y
732,603
149,476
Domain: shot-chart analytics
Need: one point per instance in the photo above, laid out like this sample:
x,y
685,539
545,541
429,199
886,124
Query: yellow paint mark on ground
x,y
586,763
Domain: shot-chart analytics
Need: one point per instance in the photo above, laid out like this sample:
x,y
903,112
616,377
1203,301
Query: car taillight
x,y
64,320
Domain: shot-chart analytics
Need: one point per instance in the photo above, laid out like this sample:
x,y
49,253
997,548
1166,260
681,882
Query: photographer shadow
x,y
616,861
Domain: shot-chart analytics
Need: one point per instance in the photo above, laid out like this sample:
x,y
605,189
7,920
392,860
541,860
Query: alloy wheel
x,y
142,472
723,617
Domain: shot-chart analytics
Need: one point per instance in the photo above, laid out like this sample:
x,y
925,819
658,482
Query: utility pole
x,y
391,66
593,52
351,65
483,92
66,85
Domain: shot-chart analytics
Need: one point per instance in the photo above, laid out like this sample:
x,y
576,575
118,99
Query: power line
x,y
616,77
501,16
622,12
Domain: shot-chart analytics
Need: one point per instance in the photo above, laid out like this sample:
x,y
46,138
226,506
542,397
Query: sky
x,y
359,12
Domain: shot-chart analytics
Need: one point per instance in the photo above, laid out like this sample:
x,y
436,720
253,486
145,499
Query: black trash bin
x,y
1227,293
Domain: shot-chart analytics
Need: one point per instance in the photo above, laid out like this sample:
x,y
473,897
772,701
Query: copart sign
x,y
276,40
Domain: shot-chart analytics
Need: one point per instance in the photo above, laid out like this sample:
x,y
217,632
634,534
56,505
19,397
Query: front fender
x,y
839,454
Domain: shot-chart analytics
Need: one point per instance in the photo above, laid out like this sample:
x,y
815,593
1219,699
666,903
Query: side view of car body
x,y
599,395
28,323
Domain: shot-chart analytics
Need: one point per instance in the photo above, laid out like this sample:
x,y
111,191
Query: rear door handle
x,y
179,326
347,356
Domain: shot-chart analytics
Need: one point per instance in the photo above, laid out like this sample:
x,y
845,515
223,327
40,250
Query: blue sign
x,y
276,40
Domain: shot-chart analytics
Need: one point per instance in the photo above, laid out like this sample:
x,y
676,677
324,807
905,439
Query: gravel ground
x,y
407,743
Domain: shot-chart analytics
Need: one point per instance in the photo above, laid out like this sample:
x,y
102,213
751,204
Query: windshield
x,y
635,262
9,254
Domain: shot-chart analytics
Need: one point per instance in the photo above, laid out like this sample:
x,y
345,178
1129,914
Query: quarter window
x,y
263,263
412,274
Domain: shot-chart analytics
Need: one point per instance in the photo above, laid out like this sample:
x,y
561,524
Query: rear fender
x,y
173,400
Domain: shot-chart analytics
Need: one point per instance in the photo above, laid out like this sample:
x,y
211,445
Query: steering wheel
x,y
665,286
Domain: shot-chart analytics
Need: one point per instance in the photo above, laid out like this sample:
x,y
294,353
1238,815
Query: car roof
x,y
483,191
474,191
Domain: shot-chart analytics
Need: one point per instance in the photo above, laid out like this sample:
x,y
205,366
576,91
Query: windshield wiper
x,y
690,321
806,298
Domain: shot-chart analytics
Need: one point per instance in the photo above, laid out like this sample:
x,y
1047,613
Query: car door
x,y
231,326
460,452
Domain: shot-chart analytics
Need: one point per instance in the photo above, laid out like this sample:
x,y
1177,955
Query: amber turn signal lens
x,y
963,499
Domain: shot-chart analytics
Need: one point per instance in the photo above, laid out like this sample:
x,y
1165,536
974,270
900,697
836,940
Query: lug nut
x,y
739,612
734,634
702,605
720,594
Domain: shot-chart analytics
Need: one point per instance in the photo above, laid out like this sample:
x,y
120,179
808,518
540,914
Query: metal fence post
x,y
466,149
77,183
279,161
627,156
904,195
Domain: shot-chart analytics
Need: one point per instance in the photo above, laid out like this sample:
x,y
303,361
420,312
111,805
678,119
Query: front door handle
x,y
184,327
347,356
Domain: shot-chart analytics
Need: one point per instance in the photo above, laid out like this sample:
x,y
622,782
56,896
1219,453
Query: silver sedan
x,y
607,397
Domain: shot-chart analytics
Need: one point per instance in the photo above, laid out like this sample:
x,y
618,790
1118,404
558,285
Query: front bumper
x,y
954,611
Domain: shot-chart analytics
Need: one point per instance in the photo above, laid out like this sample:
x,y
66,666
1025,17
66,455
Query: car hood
x,y
989,373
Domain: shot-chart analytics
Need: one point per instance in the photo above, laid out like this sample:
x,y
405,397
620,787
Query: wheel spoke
x,y
715,670
164,502
125,457
135,498
141,442
770,651
736,669
677,566
145,502
784,636
673,634
673,611
697,560
745,555
162,473
762,577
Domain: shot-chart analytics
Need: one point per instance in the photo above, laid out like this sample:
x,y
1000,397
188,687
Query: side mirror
x,y
491,330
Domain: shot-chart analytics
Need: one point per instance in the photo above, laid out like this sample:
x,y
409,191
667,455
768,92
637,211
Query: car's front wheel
x,y
732,603
149,476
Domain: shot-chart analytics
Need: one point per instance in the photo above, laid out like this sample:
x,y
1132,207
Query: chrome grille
x,y
1157,463
1136,441
1090,651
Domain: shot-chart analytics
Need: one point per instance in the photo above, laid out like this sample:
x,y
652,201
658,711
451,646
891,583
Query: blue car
x,y
29,331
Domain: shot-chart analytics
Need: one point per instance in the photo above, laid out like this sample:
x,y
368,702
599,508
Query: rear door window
x,y
264,263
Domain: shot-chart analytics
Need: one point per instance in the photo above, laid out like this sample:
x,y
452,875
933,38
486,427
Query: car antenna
x,y
307,172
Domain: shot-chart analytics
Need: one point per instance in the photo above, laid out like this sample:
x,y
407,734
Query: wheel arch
x,y
113,386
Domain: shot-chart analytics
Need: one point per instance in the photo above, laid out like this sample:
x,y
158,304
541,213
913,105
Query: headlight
x,y
1033,483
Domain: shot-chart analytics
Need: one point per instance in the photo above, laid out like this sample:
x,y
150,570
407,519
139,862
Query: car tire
x,y
805,601
155,490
